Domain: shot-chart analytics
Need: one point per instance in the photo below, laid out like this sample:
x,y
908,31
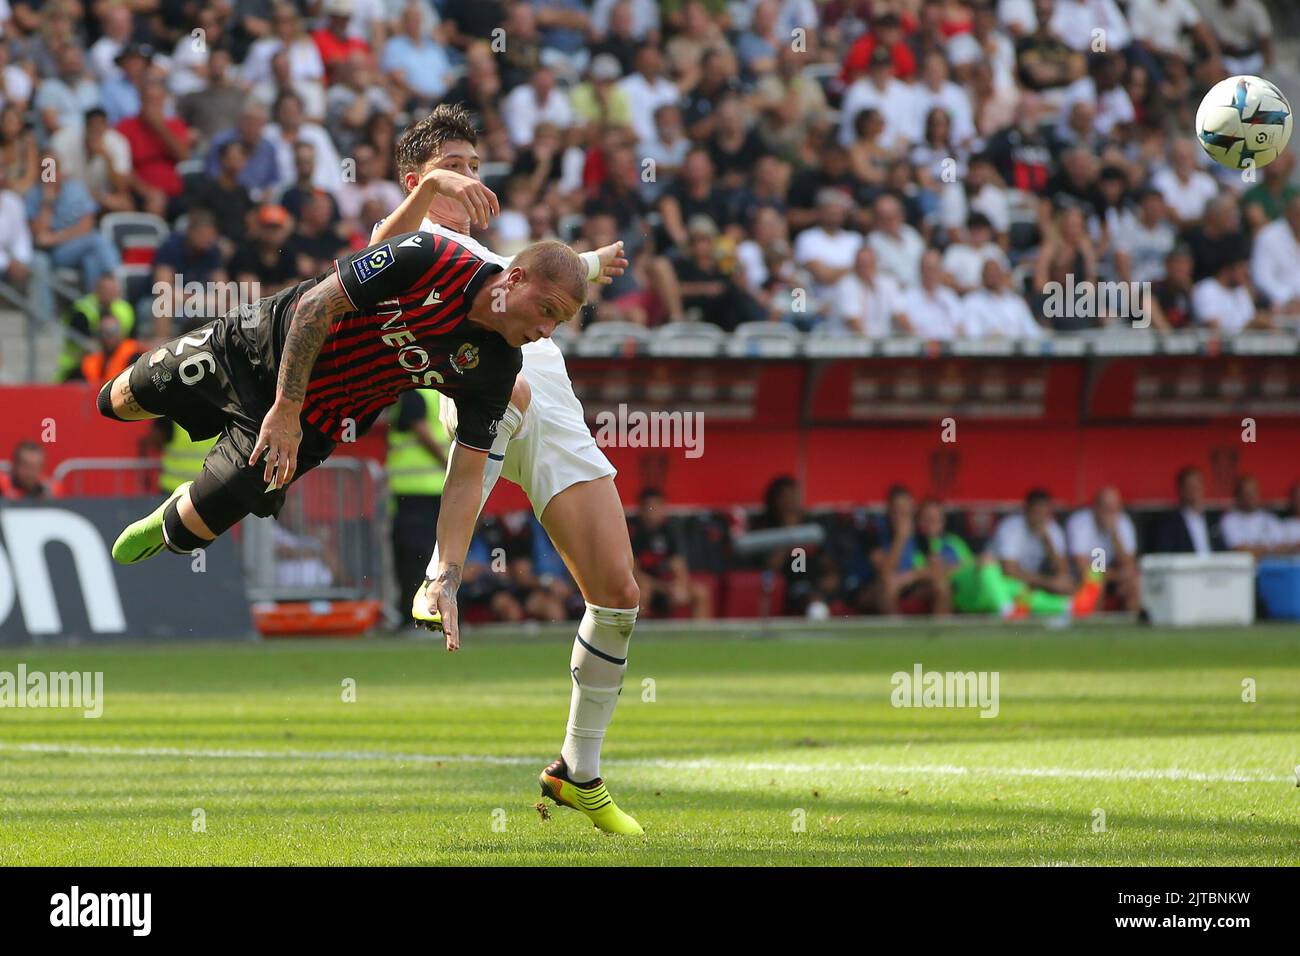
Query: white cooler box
x,y
1191,589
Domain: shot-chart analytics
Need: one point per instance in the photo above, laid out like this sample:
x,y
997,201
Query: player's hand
x,y
278,438
612,262
479,201
441,595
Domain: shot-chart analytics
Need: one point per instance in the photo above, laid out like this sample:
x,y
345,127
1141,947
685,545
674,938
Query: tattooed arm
x,y
281,430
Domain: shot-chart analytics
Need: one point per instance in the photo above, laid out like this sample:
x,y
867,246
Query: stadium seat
x,y
764,340
609,339
837,344
687,340
1264,343
742,594
128,230
983,347
1121,340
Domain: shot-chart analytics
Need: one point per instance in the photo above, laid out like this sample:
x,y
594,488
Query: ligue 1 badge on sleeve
x,y
367,267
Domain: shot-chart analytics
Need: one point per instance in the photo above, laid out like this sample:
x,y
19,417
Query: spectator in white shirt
x,y
893,98
1186,189
291,128
995,310
667,148
985,43
115,22
936,90
69,94
1160,26
1102,539
648,89
1249,526
963,261
99,156
1075,21
15,81
897,245
20,264
1244,31
932,310
644,13
1102,90
1017,17
288,34
988,194
866,301
1275,260
370,185
1224,301
534,102
1031,546
827,249
1141,249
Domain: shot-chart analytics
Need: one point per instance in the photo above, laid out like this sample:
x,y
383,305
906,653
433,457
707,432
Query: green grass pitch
x,y
751,752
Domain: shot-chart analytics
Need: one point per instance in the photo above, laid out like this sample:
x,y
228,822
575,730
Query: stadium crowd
x,y
879,167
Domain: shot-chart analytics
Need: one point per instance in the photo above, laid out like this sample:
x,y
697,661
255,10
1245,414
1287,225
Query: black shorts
x,y
207,382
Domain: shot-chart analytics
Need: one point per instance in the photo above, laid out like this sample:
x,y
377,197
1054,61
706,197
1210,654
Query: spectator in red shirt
x,y
158,142
332,40
24,482
887,31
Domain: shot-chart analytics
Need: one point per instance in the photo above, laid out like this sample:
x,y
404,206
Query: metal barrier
x,y
331,539
329,543
129,476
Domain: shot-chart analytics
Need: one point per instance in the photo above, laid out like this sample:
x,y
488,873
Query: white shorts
x,y
556,449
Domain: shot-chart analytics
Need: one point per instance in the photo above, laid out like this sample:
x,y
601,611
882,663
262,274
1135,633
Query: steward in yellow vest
x,y
84,317
417,467
182,456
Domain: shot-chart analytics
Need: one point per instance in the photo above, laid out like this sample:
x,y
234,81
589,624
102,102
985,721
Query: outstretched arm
x,y
281,430
461,498
480,203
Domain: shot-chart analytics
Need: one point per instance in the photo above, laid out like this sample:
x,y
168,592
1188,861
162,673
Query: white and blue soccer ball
x,y
1243,121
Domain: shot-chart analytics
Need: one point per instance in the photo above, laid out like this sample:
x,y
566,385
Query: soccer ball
x,y
1243,121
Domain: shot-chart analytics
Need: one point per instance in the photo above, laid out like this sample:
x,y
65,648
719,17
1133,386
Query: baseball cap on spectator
x,y
338,8
272,215
701,225
831,196
604,66
142,50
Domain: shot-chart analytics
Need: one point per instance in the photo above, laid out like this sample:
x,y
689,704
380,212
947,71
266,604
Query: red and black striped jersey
x,y
409,328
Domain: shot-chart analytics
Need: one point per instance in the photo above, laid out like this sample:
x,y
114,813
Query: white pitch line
x,y
942,770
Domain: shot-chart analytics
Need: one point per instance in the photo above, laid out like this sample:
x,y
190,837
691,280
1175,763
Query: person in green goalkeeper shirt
x,y
971,584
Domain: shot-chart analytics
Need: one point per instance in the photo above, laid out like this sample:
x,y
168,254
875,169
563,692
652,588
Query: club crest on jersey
x,y
367,267
466,358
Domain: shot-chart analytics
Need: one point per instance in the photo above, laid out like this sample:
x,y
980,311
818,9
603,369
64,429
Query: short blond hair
x,y
552,261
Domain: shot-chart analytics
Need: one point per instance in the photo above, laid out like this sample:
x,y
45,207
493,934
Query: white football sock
x,y
509,428
597,666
